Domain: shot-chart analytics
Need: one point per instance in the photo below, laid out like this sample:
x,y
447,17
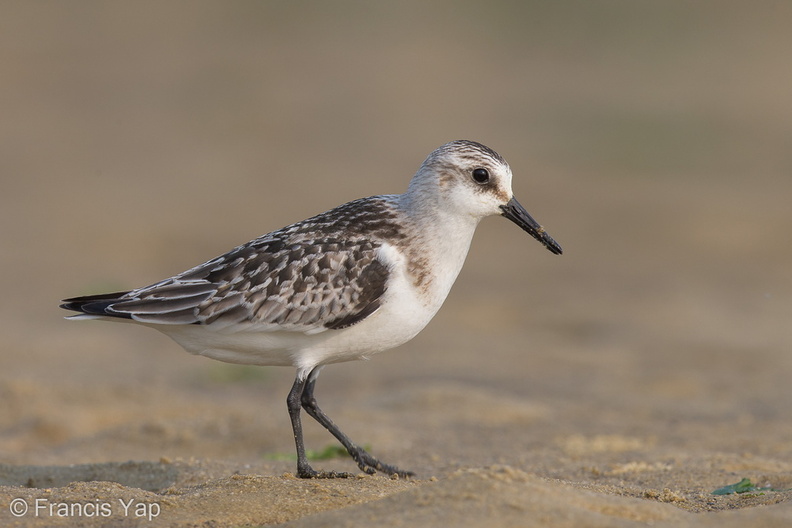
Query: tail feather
x,y
95,304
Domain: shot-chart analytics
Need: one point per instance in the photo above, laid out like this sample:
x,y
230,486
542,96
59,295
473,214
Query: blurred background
x,y
652,139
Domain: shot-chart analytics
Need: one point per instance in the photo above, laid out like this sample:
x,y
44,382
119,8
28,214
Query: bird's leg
x,y
364,460
293,402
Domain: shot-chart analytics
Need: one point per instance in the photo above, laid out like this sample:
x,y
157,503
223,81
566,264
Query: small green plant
x,y
744,486
330,451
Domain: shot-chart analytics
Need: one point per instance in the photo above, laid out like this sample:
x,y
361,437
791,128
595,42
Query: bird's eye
x,y
481,176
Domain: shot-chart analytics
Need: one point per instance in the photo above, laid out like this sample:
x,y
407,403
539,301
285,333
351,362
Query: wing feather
x,y
295,287
322,273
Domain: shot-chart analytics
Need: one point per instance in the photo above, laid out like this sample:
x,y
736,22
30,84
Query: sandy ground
x,y
616,385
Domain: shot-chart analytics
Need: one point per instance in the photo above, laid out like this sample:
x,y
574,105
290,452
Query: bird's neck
x,y
446,239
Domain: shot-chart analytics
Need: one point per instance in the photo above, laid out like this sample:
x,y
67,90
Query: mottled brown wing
x,y
302,286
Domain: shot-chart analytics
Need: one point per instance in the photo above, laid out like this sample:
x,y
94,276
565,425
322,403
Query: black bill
x,y
517,214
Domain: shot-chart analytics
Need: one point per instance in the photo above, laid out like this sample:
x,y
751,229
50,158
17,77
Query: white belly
x,y
405,311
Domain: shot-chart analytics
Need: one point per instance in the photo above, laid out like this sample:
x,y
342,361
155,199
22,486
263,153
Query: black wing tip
x,y
94,304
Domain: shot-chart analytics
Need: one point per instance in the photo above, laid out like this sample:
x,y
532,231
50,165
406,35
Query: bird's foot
x,y
307,472
367,463
371,465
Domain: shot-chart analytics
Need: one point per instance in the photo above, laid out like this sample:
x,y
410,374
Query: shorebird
x,y
359,279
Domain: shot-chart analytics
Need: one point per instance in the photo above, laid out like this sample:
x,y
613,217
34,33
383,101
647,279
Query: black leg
x,y
364,460
304,469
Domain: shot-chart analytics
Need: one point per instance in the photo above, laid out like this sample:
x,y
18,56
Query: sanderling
x,y
353,281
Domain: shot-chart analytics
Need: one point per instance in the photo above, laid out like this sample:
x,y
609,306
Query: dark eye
x,y
481,176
